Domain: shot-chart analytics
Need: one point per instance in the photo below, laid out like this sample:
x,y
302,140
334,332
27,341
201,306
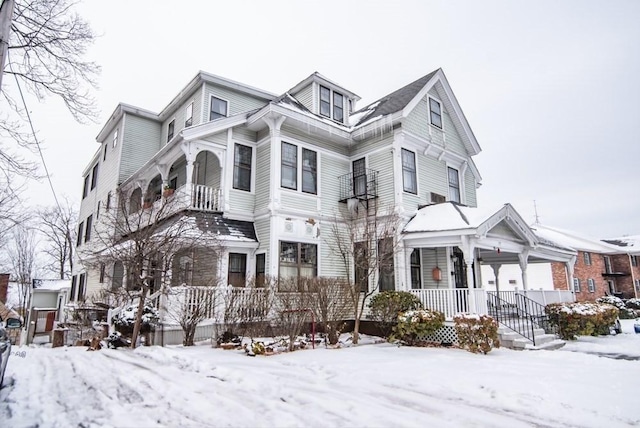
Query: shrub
x,y
385,307
625,311
476,333
126,318
582,319
415,324
633,303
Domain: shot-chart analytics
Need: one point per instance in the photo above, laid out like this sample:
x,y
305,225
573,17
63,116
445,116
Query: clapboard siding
x,y
244,134
470,189
237,102
141,140
382,162
311,140
374,143
429,261
298,201
332,263
305,97
332,169
263,232
263,177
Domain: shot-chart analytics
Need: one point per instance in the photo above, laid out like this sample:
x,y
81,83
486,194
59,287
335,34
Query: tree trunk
x,y
136,325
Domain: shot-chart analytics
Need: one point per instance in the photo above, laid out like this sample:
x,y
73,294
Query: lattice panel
x,y
446,334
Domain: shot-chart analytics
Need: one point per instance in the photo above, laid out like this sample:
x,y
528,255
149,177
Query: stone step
x,y
548,346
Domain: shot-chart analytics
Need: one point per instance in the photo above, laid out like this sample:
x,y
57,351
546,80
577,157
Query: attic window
x,y
331,104
435,113
188,116
218,108
170,130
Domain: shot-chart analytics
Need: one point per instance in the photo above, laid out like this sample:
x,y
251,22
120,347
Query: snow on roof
x,y
51,284
449,216
573,240
628,244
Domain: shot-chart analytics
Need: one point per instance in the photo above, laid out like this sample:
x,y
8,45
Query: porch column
x,y
406,268
496,273
569,269
523,259
468,250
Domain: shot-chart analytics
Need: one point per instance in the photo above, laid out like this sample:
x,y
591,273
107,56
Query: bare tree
x,y
58,226
22,254
331,304
144,241
190,306
365,239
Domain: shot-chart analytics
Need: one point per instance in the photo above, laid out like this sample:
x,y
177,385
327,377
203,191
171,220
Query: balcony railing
x,y
206,198
361,186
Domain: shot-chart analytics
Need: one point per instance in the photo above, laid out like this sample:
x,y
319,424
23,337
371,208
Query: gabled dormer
x,y
325,98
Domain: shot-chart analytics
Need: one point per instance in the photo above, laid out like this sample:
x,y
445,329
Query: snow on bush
x,y
582,319
627,310
126,318
476,333
633,303
384,308
413,325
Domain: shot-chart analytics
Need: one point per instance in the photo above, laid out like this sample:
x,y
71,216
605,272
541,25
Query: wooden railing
x,y
449,301
206,198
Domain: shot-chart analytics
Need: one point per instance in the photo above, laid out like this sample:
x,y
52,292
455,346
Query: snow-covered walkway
x,y
366,386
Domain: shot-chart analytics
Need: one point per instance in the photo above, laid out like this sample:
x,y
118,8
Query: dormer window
x,y
331,104
218,108
435,113
188,116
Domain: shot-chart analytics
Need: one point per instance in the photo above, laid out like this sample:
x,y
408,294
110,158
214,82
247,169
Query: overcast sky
x,y
551,89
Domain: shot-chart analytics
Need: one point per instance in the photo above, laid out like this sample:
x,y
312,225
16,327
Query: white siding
x,y
305,97
237,102
141,140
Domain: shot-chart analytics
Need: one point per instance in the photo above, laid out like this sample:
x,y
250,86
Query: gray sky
x,y
549,88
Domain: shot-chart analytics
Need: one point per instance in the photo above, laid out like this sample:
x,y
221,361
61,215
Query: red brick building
x,y
601,267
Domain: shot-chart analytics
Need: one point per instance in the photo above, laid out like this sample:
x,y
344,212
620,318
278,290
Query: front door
x,y
459,268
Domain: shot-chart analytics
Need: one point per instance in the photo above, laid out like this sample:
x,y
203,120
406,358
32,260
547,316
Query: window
x,y
82,280
260,269
87,232
637,284
188,116
108,201
104,155
361,265
237,269
409,180
115,138
79,237
576,285
512,282
218,108
289,173
415,269
435,113
325,101
170,130
338,109
72,293
118,275
309,171
98,210
591,285
298,260
185,272
242,168
492,282
385,264
94,177
607,264
102,272
359,177
85,187
634,260
587,258
454,185
331,107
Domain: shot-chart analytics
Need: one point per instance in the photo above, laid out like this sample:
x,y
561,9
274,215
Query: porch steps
x,y
514,340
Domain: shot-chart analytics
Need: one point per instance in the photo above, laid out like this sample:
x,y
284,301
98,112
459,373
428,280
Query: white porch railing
x,y
206,198
543,297
449,301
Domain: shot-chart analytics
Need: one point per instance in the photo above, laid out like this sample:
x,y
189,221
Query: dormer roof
x,y
319,78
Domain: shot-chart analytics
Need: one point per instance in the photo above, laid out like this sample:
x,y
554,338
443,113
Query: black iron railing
x,y
520,314
363,185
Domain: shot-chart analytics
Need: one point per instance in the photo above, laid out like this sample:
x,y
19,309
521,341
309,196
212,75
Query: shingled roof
x,y
395,101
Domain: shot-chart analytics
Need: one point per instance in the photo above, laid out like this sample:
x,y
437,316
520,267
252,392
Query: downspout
x,y
633,277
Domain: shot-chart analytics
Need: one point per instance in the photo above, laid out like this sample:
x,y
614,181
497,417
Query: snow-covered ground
x,y
589,383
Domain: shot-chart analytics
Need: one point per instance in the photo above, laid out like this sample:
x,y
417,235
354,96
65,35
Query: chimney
x,y
4,287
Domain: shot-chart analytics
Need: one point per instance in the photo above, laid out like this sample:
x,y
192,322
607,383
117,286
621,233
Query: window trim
x,y
242,272
211,97
298,264
300,168
88,228
244,167
413,189
313,170
586,257
291,165
85,187
114,139
94,176
634,260
576,285
188,117
80,234
591,285
413,266
432,113
331,103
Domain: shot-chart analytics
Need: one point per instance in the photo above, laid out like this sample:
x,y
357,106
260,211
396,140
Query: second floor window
x,y
454,185
188,116
309,171
435,113
94,177
170,130
587,258
218,108
87,232
591,284
85,187
634,260
576,285
237,274
79,237
607,264
289,169
115,138
242,168
409,180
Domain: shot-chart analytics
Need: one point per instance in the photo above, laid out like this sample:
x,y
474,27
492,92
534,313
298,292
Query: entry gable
x,y
508,224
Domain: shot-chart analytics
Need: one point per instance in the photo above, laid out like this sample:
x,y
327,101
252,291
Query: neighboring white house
x,y
266,174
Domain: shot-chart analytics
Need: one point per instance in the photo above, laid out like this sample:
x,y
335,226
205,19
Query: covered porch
x,y
445,244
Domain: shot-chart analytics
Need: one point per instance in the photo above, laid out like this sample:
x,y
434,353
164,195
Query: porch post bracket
x,y
523,261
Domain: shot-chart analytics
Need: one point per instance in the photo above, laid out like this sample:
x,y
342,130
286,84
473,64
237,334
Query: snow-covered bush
x,y
476,333
625,311
384,308
633,303
126,318
414,324
582,319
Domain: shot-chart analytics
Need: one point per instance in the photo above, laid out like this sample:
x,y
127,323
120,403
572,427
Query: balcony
x,y
362,186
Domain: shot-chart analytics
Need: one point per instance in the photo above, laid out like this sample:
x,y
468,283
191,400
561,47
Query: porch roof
x,y
500,234
214,225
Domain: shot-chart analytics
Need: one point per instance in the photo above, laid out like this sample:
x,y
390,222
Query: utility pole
x,y
6,13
